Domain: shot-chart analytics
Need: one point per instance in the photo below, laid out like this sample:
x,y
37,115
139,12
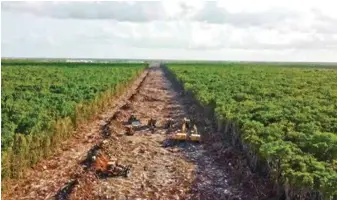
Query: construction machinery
x,y
188,132
169,124
129,130
105,167
133,121
132,124
152,124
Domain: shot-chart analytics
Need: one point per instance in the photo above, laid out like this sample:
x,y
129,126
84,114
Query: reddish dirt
x,y
160,169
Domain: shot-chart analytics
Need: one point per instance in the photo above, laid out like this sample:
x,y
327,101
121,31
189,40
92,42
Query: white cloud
x,y
240,29
121,11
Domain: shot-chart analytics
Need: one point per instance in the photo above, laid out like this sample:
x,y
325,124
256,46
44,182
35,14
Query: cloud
x,y
163,28
213,13
120,11
209,12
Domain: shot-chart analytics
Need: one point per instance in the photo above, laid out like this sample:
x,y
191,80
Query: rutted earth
x,y
160,169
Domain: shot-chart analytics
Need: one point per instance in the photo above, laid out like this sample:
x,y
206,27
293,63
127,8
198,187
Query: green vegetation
x,y
286,115
42,103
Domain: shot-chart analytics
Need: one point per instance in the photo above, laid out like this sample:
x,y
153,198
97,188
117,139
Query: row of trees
x,y
42,104
286,115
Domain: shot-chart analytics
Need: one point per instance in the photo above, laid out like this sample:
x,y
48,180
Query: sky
x,y
246,30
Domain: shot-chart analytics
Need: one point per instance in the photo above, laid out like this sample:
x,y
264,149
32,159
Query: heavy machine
x,y
152,124
133,121
188,132
105,167
135,124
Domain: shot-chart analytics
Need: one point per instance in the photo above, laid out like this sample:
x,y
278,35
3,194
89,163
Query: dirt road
x,y
160,169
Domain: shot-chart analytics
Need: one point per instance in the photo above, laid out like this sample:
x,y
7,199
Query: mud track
x,y
160,169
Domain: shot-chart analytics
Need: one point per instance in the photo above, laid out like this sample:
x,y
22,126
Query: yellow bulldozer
x,y
188,132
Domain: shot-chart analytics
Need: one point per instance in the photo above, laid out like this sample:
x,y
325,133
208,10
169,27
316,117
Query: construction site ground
x,y
160,168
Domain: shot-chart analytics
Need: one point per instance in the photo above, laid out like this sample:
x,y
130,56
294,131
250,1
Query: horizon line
x,y
157,59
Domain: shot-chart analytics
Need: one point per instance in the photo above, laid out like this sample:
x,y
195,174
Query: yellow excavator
x,y
188,132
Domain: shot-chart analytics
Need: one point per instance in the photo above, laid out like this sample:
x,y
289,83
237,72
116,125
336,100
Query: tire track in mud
x,y
166,170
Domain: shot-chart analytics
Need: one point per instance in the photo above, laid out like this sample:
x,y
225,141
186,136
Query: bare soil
x,y
161,169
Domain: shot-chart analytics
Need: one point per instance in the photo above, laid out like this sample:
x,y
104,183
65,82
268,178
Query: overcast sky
x,y
277,30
